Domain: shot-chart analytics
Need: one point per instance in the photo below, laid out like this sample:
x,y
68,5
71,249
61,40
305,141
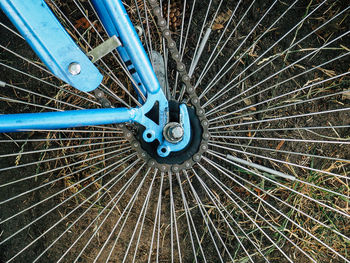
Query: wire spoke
x,y
222,117
119,194
288,188
141,219
119,163
274,197
207,220
81,216
115,155
225,89
274,227
272,207
127,210
156,220
190,224
280,118
272,179
280,161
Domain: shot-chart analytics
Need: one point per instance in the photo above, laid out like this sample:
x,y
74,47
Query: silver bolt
x,y
173,132
106,104
74,68
177,132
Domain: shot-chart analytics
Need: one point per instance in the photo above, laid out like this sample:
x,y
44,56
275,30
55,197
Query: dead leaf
x,y
328,72
346,95
82,23
217,26
280,145
221,19
247,101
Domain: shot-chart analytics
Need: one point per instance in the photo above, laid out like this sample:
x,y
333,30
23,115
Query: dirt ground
x,y
121,209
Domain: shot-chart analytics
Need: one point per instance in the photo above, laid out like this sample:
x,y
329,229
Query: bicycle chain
x,y
181,69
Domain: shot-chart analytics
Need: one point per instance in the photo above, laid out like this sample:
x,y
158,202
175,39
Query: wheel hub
x,y
174,132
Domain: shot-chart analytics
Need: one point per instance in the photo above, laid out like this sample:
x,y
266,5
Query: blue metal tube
x,y
41,29
64,119
131,42
112,31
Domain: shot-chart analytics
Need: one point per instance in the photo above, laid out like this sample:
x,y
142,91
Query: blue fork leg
x,y
116,18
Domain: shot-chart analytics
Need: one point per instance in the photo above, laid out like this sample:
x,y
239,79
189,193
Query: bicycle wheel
x,y
273,79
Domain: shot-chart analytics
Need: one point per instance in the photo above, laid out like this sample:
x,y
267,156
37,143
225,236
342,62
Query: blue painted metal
x,y
116,21
63,119
58,51
78,118
36,23
166,147
112,31
152,128
119,19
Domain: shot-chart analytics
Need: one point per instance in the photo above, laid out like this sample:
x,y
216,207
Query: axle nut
x,y
173,132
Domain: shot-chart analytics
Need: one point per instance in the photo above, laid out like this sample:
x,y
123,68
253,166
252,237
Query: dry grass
x,y
259,192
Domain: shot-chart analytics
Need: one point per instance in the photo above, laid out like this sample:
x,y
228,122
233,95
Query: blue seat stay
x,y
41,29
118,19
112,31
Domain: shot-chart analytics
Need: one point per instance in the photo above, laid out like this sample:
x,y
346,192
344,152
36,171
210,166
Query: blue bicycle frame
x,y
38,25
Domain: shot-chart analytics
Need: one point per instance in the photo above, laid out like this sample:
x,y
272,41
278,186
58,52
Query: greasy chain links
x,y
181,68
